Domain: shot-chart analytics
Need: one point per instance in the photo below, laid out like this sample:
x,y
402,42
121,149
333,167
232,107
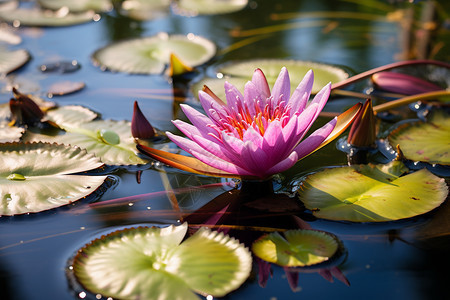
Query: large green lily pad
x,y
78,5
38,17
207,7
298,248
35,176
70,116
109,140
151,55
372,193
425,141
239,73
150,263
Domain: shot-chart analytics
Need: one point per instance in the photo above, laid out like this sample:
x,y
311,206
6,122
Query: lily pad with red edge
x,y
425,141
78,5
35,177
372,193
151,55
149,262
239,73
297,248
45,18
109,140
11,60
207,7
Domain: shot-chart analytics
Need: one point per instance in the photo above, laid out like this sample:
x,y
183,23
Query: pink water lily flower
x,y
257,134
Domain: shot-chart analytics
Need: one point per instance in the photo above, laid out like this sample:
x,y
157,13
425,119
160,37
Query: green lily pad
x,y
38,17
70,115
36,176
150,263
151,55
109,140
10,134
239,73
425,141
78,5
12,60
207,7
145,10
298,248
372,193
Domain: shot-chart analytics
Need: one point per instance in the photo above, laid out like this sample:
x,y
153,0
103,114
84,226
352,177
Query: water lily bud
x,y
403,83
24,111
363,130
140,126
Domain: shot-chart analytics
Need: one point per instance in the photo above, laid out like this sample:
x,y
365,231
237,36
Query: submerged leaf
x,y
144,263
150,55
372,193
425,141
298,248
36,177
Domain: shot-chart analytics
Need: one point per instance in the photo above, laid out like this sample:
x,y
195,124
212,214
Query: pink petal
x,y
260,81
190,130
281,88
321,98
251,95
216,149
234,97
310,144
302,93
254,159
205,156
252,135
209,102
284,164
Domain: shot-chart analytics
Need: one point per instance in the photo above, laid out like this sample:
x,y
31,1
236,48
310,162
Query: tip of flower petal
x,y
140,126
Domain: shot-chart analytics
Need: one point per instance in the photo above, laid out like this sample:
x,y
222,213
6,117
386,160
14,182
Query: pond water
x,y
405,259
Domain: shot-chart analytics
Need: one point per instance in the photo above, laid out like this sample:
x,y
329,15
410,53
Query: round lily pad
x,y
145,10
78,5
239,73
109,140
36,176
372,193
38,17
151,55
12,60
298,248
207,7
425,141
150,263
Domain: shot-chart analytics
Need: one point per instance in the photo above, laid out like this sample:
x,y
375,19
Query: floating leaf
x,y
12,60
70,115
298,248
10,134
78,5
109,140
241,72
425,141
207,7
38,17
144,263
145,9
35,176
372,193
65,87
151,55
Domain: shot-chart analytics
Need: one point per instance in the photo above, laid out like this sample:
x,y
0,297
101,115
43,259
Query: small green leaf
x,y
425,141
15,176
372,193
298,248
108,137
139,263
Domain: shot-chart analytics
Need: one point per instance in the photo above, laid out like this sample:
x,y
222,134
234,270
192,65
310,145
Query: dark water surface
x,y
396,260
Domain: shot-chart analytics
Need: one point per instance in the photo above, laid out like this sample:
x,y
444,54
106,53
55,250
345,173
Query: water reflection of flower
x,y
255,134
